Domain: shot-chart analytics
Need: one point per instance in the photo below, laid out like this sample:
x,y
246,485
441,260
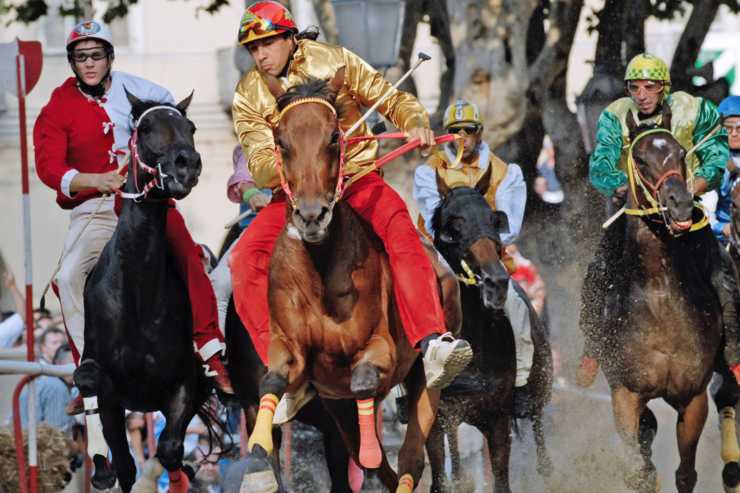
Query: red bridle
x,y
344,181
137,163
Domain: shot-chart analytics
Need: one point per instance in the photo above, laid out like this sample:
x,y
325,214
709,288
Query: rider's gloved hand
x,y
620,196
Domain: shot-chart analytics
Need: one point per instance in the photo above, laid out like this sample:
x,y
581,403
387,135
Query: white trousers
x,y
518,314
81,251
222,287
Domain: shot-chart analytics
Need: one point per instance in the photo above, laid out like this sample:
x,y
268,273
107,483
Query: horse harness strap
x,y
651,190
469,278
158,175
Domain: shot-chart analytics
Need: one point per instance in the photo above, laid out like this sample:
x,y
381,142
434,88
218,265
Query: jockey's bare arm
x,y
102,182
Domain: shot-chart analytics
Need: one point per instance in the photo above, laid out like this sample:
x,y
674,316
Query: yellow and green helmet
x,y
647,67
461,111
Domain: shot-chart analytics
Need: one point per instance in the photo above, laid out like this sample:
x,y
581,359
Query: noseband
x,y
158,176
651,191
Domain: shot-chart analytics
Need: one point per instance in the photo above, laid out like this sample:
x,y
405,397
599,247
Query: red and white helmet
x,y
90,30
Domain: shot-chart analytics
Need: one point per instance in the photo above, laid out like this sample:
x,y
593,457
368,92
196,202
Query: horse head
x,y
467,234
308,142
657,168
164,162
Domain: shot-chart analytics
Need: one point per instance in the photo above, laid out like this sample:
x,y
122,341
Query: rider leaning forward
x,y
269,33
81,139
693,119
506,192
729,110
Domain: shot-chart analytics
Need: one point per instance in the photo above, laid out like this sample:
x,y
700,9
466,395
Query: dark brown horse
x,y
333,321
467,235
665,338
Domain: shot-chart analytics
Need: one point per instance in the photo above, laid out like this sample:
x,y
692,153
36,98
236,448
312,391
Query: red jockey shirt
x,y
72,132
76,133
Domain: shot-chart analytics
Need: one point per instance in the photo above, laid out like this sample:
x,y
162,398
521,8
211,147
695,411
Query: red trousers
x,y
188,257
414,280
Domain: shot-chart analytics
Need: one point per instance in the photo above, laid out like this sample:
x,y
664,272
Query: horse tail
x,y
208,414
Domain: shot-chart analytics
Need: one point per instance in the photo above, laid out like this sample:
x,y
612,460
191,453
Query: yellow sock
x,y
262,433
405,484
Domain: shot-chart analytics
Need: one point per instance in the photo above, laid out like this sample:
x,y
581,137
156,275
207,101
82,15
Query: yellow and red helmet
x,y
264,19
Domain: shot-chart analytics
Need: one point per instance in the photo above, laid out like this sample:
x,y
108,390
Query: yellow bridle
x,y
635,180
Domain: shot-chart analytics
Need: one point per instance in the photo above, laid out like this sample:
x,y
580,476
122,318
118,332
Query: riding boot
x,y
724,282
523,405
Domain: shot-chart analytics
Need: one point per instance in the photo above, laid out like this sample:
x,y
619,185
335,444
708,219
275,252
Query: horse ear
x,y
442,187
273,84
484,182
667,114
131,98
336,82
501,222
631,124
183,105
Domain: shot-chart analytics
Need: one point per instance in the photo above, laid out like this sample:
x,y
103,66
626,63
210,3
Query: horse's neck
x,y
141,240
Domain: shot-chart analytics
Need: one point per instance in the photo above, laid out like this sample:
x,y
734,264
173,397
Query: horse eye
x,y
334,138
447,236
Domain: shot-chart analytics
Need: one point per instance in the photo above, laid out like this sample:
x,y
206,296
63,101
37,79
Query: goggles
x,y
472,129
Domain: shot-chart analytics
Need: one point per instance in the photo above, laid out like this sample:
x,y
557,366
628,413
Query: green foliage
x,y
29,11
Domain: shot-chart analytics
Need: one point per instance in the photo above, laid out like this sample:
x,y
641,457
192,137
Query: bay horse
x,y
138,352
665,337
467,235
333,321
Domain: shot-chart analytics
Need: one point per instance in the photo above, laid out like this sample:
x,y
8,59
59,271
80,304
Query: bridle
x,y
651,191
158,176
343,180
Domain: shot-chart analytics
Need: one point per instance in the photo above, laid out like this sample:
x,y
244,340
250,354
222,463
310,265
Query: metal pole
x,y
32,453
35,368
20,455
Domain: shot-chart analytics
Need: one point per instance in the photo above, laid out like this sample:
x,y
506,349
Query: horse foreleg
x,y
114,429
178,413
436,451
423,405
725,398
259,476
370,368
688,430
627,407
498,438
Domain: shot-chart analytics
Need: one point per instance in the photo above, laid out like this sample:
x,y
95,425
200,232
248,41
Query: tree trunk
x,y
687,51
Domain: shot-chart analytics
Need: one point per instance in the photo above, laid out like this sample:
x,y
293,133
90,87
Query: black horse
x,y
467,233
138,351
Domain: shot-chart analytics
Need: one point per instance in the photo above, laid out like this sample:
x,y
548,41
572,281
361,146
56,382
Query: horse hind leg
x,y
423,404
688,430
436,451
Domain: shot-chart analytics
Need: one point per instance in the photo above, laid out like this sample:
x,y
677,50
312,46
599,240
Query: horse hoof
x,y
258,475
104,478
731,477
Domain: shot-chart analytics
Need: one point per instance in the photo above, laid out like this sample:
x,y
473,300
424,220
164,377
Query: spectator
x,y
208,477
52,395
12,324
547,185
50,341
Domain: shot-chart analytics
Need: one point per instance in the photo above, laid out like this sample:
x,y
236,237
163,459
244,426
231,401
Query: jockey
x,y
648,84
81,138
507,193
269,33
729,110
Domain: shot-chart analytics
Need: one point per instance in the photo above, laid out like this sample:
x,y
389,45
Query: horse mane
x,y
312,88
138,109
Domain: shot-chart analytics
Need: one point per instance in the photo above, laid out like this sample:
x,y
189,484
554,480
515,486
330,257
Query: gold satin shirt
x,y
255,109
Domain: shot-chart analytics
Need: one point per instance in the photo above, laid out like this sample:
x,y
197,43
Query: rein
x,y
651,191
344,181
158,176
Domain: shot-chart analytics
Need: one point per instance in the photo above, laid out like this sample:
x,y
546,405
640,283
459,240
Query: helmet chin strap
x,y
98,90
